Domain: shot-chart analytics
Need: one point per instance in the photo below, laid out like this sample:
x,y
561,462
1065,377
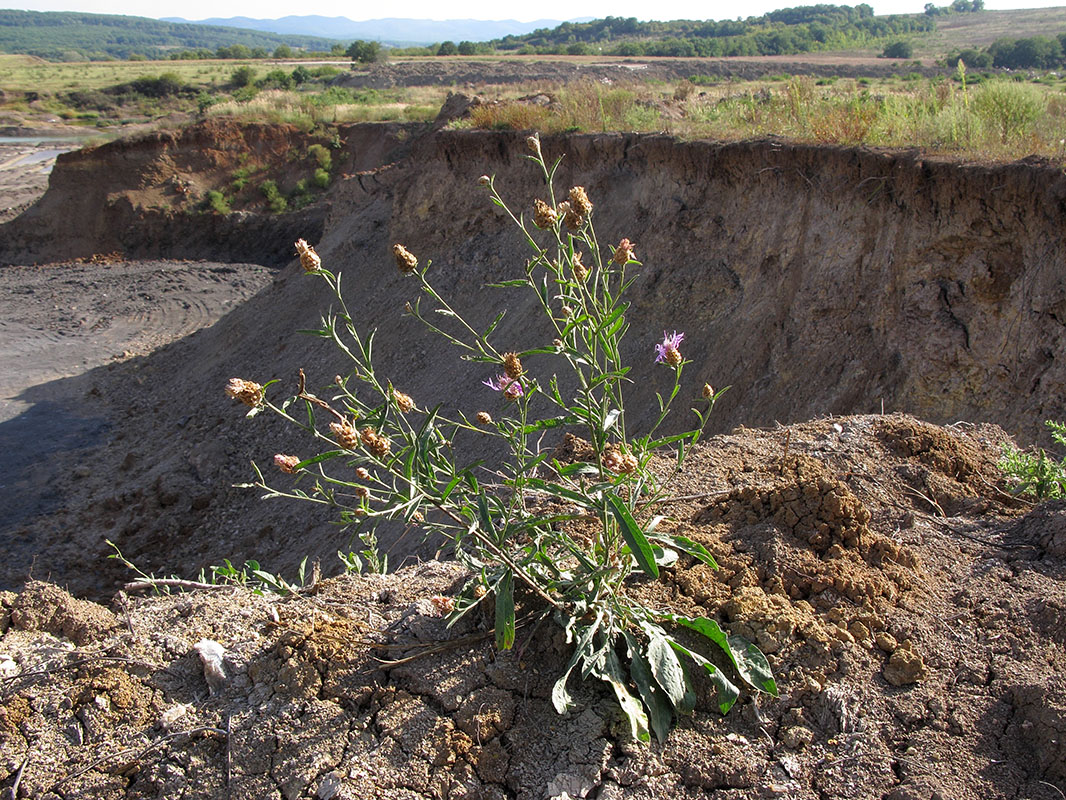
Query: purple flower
x,y
510,387
669,350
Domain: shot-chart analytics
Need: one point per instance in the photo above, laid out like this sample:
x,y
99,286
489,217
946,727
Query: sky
x,y
480,9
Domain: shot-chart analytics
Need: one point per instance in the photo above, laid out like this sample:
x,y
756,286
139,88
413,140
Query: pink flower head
x,y
669,351
510,387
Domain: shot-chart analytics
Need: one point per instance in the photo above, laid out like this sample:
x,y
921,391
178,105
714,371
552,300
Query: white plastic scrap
x,y
211,653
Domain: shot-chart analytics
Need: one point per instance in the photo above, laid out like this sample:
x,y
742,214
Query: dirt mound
x,y
478,72
918,656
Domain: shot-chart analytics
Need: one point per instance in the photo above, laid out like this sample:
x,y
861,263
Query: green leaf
x,y
666,668
727,691
505,622
634,536
749,661
694,549
659,714
631,706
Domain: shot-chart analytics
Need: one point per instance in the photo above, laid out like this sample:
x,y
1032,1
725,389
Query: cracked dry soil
x,y
914,614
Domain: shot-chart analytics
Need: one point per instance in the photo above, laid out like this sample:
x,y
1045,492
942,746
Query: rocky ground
x,y
912,612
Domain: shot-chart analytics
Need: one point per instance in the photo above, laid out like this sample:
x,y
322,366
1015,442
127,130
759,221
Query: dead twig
x,y
18,778
81,662
137,754
155,583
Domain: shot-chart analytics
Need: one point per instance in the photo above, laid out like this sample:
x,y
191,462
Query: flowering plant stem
x,y
526,521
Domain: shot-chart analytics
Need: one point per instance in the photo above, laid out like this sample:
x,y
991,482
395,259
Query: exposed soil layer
x,y
478,72
813,280
919,656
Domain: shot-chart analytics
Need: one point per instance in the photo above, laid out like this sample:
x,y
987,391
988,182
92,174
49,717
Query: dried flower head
x,y
403,401
571,219
510,387
410,309
612,460
544,215
708,391
668,352
623,254
581,272
579,201
362,492
484,180
248,392
533,143
309,259
512,365
557,343
286,464
377,444
484,418
406,263
567,311
362,473
337,379
345,434
443,605
629,463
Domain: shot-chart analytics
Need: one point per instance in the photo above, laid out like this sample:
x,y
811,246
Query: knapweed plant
x,y
1037,474
562,536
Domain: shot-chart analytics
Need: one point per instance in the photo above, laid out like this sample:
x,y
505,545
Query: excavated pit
x,y
912,610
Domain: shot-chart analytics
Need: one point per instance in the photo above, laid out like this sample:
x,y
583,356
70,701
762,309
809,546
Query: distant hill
x,y
63,35
400,32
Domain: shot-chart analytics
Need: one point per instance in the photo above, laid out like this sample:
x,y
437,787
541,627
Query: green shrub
x,y
276,202
321,155
216,201
900,49
1037,474
243,76
321,178
1011,109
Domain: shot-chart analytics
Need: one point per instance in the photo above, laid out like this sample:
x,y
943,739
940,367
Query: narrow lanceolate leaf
x,y
694,549
727,691
634,711
505,624
634,536
749,661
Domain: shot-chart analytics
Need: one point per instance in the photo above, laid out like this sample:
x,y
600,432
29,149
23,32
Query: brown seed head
x,y
623,253
612,459
484,418
544,215
403,401
345,434
567,311
708,391
557,343
362,492
406,263
337,379
248,392
377,444
579,201
672,356
571,219
533,143
286,464
580,270
309,259
629,463
484,180
512,365
362,473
